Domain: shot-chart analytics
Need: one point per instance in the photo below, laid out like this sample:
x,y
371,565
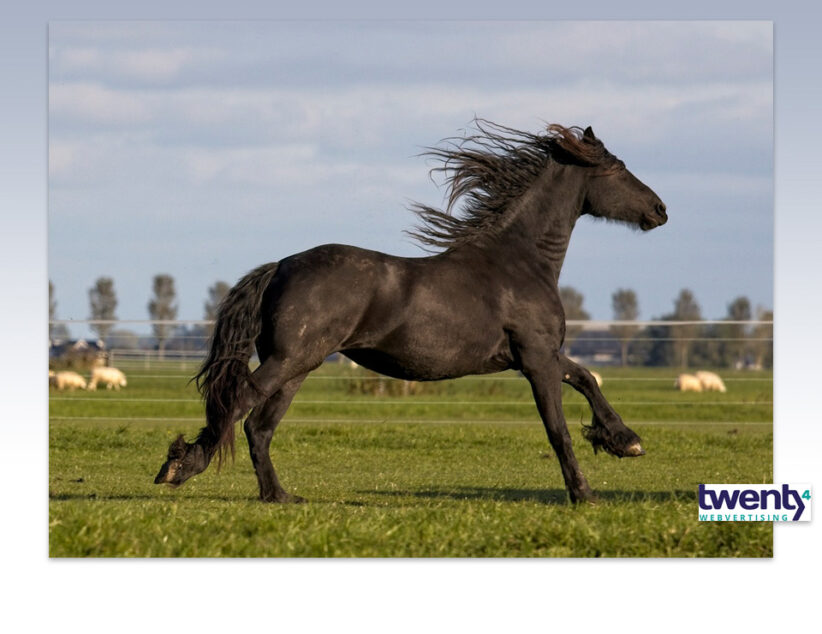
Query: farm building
x,y
594,347
77,354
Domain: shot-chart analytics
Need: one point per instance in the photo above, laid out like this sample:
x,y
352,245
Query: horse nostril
x,y
660,209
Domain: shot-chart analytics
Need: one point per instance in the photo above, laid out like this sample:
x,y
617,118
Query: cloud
x,y
94,103
281,137
346,113
141,64
215,145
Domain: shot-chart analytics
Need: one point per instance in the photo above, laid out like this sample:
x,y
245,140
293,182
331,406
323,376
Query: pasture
x,y
452,469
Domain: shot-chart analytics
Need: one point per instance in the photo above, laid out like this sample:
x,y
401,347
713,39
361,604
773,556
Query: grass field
x,y
459,469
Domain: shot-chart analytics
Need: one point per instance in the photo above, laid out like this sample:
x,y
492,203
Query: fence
x,y
159,389
601,343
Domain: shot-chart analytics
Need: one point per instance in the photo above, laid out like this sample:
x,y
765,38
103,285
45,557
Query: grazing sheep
x,y
597,378
112,377
688,383
711,382
52,378
68,381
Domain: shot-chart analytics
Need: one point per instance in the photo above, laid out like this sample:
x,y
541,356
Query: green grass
x,y
483,483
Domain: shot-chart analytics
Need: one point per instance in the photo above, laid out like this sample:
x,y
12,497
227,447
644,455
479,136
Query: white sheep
x,y
68,381
688,383
112,377
711,382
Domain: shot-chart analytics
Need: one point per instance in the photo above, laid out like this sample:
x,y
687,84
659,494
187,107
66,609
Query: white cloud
x,y
156,63
91,102
61,157
286,165
145,64
367,115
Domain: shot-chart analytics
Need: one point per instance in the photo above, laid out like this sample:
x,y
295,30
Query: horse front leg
x,y
545,376
259,428
607,431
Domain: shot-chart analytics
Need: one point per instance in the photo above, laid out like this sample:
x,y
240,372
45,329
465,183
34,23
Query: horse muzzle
x,y
655,219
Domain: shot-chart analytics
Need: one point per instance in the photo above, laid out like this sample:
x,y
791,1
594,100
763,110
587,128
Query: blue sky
x,y
201,149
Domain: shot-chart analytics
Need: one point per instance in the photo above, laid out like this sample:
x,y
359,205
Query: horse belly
x,y
417,360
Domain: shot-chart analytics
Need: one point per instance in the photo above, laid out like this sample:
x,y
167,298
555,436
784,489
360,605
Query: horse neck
x,y
553,247
543,219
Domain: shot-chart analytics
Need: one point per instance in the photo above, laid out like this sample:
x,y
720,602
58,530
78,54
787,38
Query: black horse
x,y
488,302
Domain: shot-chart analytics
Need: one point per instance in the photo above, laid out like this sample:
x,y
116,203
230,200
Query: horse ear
x,y
588,133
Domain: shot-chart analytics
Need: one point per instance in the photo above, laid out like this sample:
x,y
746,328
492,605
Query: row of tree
x,y
162,307
684,344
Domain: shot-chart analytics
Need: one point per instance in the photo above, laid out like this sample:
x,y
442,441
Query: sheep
x,y
688,383
710,382
68,381
112,377
597,378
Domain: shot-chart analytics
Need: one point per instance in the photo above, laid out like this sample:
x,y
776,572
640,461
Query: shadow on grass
x,y
555,497
543,496
63,497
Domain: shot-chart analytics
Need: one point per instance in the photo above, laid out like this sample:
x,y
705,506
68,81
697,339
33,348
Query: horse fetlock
x,y
581,492
622,442
283,497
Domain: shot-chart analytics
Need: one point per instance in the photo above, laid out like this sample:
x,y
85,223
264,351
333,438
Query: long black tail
x,y
225,375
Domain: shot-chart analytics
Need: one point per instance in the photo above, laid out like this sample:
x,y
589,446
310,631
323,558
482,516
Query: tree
x,y
685,309
762,336
52,302
57,332
734,335
52,309
626,308
216,293
572,304
162,307
103,301
123,339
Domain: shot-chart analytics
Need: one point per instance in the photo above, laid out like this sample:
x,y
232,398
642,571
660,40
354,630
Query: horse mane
x,y
490,169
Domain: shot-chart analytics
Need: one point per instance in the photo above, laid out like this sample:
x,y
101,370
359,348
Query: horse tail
x,y
225,374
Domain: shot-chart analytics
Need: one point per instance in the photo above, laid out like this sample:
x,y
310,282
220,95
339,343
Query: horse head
x,y
614,193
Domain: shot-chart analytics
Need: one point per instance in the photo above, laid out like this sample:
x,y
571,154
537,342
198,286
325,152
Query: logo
x,y
754,502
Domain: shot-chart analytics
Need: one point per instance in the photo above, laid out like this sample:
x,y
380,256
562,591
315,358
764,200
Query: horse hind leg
x,y
185,460
259,428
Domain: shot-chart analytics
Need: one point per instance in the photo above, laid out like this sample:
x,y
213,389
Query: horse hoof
x,y
286,498
634,450
584,497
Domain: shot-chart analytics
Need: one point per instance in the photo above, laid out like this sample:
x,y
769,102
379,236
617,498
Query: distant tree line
x,y
162,306
682,345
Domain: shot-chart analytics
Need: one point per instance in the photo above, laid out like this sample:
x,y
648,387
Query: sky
x,y
203,149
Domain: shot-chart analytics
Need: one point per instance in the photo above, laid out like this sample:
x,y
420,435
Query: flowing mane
x,y
492,168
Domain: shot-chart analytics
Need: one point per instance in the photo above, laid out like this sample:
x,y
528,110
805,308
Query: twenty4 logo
x,y
754,502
